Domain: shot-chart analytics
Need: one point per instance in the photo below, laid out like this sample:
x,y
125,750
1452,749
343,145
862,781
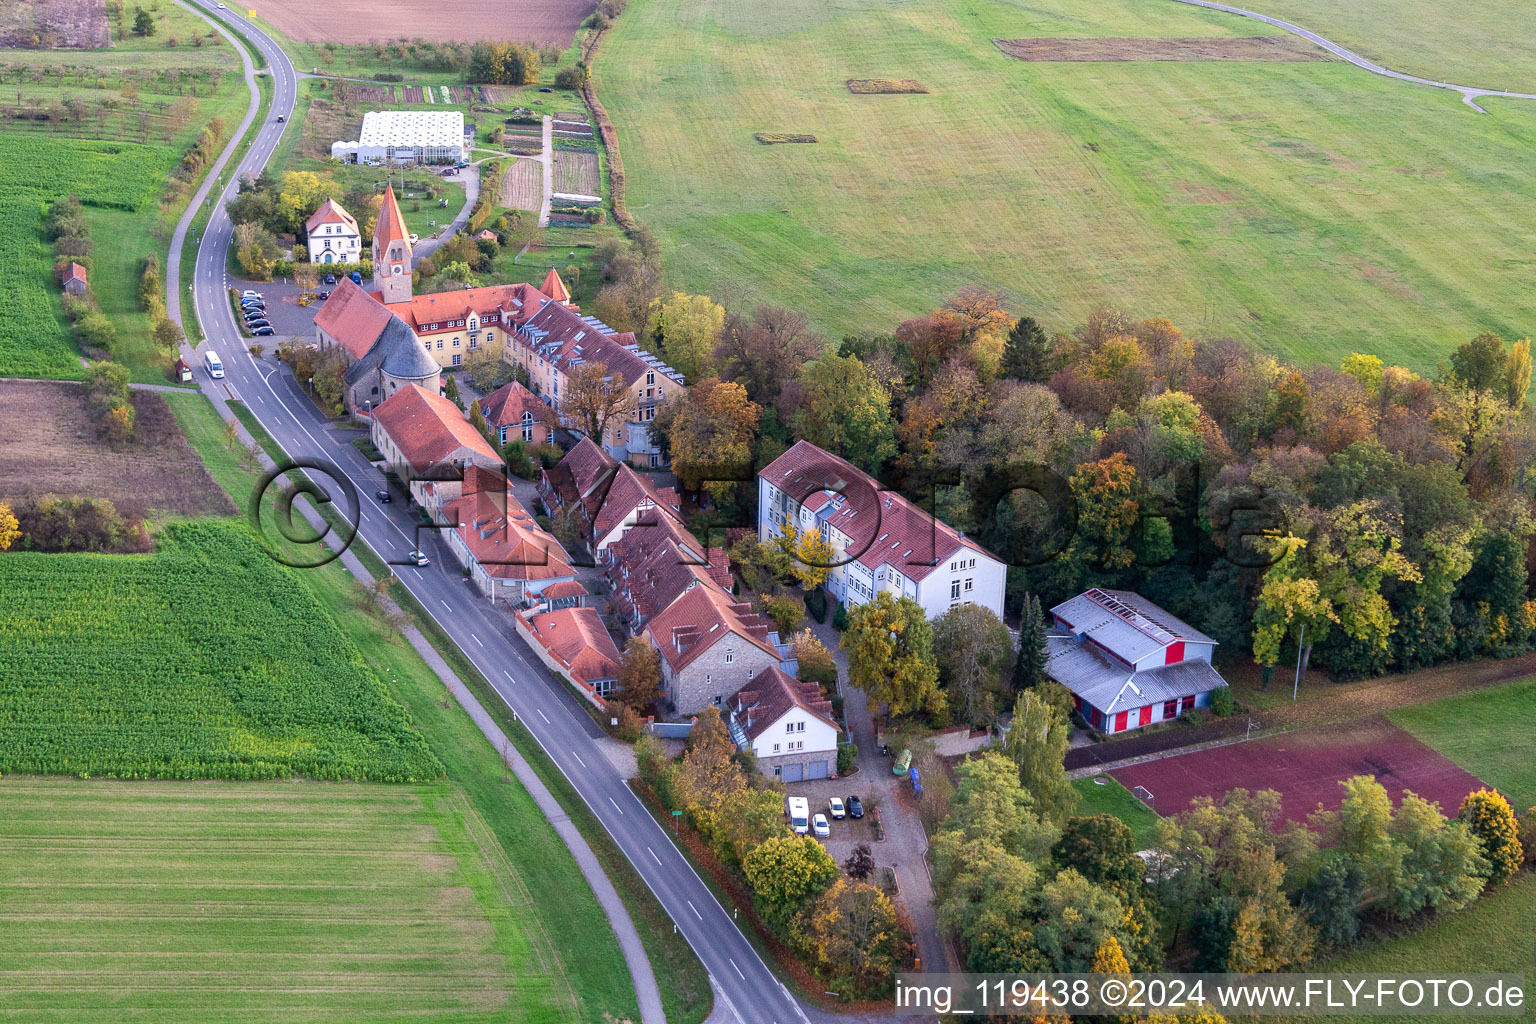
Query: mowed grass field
x,y
262,902
1487,732
1311,208
1115,800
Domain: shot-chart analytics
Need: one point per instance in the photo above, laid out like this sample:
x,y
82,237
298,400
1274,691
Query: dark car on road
x,y
855,807
383,496
330,278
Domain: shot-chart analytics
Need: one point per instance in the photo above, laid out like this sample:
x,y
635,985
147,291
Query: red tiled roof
x,y
699,619
882,526
568,339
577,638
628,492
565,588
353,317
330,212
657,561
499,303
578,474
771,695
73,272
504,538
505,406
428,429
554,287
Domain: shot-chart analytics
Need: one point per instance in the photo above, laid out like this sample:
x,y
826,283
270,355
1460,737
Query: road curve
x,y
1468,92
745,988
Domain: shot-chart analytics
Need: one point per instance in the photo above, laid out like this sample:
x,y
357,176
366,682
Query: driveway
x,y
905,849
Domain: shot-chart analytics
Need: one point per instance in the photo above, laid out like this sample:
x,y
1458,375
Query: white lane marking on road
x,y
445,605
548,722
654,857
509,677
477,639
743,977
578,759
616,806
417,572
694,909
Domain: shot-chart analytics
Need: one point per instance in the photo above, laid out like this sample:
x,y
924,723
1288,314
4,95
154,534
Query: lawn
x,y
1114,799
1495,934
1487,732
1311,208
584,957
271,902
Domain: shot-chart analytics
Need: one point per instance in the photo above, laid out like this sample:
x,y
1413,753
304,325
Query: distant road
x,y
1468,92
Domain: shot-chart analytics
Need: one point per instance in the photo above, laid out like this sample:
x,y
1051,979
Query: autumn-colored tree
x,y
745,819
298,197
708,774
929,342
816,662
974,649
890,654
1517,373
594,400
1367,369
767,351
1291,404
860,863
711,434
786,872
810,556
686,331
1109,959
1492,820
855,938
846,411
118,422
1101,848
10,528
1105,494
1037,743
640,673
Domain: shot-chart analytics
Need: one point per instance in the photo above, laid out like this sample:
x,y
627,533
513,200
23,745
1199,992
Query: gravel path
x,y
1469,93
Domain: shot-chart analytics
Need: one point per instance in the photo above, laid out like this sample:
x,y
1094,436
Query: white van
x,y
213,366
799,814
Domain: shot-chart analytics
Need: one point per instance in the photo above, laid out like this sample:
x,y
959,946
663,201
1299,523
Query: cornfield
x,y
205,660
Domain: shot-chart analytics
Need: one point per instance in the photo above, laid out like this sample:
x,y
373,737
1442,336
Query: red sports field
x,y
1306,767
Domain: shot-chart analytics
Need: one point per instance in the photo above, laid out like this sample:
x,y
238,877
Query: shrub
x,y
840,618
630,728
1490,818
1528,833
572,77
847,758
1221,701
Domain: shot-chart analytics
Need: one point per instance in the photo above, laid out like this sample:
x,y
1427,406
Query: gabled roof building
x,y
332,236
788,725
880,540
1128,662
711,646
382,353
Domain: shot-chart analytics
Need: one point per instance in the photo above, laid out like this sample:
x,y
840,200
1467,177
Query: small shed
x,y
488,235
181,370
72,277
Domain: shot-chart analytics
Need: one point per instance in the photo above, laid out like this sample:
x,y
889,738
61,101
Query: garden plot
x,y
522,185
413,94
575,172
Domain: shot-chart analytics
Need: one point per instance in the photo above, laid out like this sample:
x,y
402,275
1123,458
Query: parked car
x,y
820,827
418,558
330,278
855,807
248,294
324,296
252,304
835,808
258,324
263,332
799,813
415,238
383,496
255,314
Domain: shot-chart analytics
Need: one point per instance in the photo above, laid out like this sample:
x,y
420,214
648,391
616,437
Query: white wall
x,y
818,737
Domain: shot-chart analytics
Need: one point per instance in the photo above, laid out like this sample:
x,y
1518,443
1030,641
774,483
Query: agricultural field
x,y
546,22
1485,44
575,171
207,660
1307,207
1486,732
34,341
522,185
50,448
273,902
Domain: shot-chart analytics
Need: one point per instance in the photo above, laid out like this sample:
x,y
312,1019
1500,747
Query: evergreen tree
x,y
143,22
1027,352
1029,669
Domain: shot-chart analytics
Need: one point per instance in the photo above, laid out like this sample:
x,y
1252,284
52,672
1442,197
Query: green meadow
x,y
1310,207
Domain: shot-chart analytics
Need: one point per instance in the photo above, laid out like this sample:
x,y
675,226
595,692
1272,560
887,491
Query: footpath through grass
x,y
582,953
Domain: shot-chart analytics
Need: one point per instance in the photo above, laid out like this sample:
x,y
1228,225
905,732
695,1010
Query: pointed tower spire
x,y
555,288
391,251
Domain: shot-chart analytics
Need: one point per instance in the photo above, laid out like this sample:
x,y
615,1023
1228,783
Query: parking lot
x,y
289,319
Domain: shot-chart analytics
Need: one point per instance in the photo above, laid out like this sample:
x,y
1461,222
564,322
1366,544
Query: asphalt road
x,y
743,982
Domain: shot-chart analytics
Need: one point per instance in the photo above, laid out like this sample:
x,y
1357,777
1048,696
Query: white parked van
x,y
799,814
213,366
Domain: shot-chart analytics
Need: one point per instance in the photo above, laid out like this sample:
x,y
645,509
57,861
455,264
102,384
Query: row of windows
x,y
473,343
796,745
962,564
794,727
954,588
